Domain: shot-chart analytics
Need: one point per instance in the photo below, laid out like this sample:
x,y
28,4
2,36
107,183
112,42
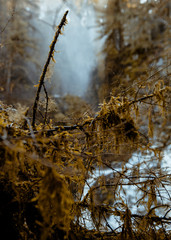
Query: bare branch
x,y
50,56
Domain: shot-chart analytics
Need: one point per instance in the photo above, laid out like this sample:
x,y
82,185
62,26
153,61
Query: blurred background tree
x,y
17,52
137,44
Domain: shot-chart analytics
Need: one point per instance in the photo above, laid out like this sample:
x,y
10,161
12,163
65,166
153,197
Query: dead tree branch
x,y
50,56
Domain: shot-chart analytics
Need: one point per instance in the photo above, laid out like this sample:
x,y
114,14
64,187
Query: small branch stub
x,y
50,56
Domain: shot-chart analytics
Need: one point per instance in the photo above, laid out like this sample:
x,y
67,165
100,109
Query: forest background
x,y
83,148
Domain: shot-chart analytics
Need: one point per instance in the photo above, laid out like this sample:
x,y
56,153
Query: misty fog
x,y
76,49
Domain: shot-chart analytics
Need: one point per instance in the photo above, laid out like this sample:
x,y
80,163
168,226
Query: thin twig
x,y
8,21
147,79
50,55
146,97
108,225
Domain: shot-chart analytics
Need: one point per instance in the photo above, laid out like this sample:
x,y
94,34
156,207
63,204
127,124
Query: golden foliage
x,y
50,167
53,180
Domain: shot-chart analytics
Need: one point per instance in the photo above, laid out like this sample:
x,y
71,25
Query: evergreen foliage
x,y
17,49
137,38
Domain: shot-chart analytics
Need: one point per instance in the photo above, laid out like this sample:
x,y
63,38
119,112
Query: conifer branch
x,y
50,56
147,97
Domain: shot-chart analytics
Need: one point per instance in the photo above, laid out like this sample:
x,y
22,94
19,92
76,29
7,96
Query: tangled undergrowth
x,y
52,181
44,173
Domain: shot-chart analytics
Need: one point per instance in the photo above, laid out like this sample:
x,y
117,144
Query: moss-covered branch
x,y
50,56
